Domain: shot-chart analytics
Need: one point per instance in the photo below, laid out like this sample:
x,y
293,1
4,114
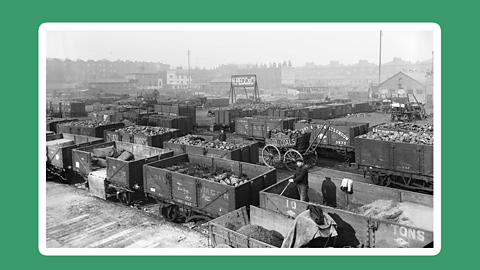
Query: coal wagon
x,y
259,127
107,172
409,165
339,135
144,135
205,194
237,150
59,152
88,128
354,228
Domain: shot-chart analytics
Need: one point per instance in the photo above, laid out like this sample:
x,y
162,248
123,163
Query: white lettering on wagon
x,y
410,233
291,204
332,129
208,193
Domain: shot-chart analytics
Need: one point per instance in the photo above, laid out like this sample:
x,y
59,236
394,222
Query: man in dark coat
x,y
301,179
223,136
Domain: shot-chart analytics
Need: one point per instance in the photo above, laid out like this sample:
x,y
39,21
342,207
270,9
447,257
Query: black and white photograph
x,y
239,139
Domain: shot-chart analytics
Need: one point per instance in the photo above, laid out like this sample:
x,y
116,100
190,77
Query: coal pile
x,y
200,142
87,123
259,233
147,131
219,175
397,136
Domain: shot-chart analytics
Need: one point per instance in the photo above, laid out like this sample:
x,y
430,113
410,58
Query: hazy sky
x,y
212,48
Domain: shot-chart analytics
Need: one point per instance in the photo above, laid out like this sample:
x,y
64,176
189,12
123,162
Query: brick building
x,y
145,81
68,71
219,86
117,86
404,83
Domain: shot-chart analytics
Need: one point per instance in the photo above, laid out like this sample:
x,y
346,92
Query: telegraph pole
x,y
188,78
380,61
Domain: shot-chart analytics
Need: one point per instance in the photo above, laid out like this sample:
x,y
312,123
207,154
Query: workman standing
x,y
223,136
301,179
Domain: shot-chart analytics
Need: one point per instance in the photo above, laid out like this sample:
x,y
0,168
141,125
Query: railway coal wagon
x,y
338,135
397,158
198,187
356,225
116,167
59,152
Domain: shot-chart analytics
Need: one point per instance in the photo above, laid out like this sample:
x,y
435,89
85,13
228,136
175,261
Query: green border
x,y
20,23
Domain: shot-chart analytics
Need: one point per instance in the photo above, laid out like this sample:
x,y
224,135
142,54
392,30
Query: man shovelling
x,y
301,179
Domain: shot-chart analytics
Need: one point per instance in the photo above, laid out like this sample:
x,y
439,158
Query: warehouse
x,y
404,83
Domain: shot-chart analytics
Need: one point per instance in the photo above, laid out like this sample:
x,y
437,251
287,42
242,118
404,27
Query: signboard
x,y
244,80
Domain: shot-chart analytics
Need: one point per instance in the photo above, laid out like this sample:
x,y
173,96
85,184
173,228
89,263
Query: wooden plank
x,y
97,185
184,189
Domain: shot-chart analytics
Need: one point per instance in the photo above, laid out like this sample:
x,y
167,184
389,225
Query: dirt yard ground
x,y
77,220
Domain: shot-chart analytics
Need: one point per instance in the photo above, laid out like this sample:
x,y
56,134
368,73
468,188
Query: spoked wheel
x,y
405,118
290,157
271,156
169,212
125,197
392,117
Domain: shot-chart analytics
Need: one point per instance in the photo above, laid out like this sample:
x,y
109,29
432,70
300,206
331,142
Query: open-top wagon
x,y
289,146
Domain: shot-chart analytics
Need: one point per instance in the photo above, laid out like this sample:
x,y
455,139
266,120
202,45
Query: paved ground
x,y
77,220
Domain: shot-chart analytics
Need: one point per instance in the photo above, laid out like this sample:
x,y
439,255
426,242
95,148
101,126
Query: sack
x,y
104,152
126,156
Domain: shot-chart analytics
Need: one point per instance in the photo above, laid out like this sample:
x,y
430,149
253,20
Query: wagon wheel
x,y
375,177
271,156
169,212
392,117
125,198
405,118
290,157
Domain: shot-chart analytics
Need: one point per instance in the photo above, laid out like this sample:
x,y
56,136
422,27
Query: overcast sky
x,y
212,48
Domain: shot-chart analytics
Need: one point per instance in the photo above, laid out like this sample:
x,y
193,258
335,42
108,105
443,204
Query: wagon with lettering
x,y
339,136
196,192
285,147
109,173
363,218
59,152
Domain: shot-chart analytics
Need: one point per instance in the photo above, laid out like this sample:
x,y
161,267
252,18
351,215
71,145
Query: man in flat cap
x,y
301,179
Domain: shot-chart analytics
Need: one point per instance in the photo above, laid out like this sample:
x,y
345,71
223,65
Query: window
x,y
409,91
419,91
